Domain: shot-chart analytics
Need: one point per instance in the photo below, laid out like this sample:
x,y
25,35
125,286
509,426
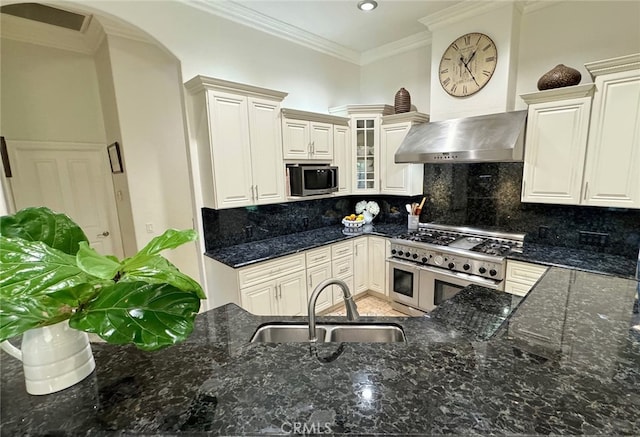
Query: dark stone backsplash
x,y
487,195
228,227
483,195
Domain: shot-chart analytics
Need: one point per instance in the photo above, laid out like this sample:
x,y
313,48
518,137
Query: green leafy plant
x,y
49,273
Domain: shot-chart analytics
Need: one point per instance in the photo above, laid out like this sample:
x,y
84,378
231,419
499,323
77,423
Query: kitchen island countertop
x,y
565,361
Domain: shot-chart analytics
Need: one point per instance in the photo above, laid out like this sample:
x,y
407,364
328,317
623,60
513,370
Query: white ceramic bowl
x,y
352,224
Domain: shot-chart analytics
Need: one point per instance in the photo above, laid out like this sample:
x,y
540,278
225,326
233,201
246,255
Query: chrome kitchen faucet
x,y
352,310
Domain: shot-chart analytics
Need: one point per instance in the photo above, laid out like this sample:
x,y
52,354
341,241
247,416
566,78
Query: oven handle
x,y
478,280
408,264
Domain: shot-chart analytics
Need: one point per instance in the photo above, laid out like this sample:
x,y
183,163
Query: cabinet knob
x,y
104,234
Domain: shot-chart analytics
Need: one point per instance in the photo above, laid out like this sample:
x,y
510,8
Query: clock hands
x,y
466,65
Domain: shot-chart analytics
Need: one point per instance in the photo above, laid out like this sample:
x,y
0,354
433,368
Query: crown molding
x,y
114,28
33,32
403,45
348,110
314,116
248,17
458,12
552,95
613,65
200,83
414,117
536,5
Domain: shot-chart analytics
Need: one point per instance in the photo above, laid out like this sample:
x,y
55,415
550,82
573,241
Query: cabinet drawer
x,y
524,273
339,250
318,256
517,288
342,267
270,269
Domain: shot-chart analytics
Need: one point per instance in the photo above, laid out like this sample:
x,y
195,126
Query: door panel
x,y
70,178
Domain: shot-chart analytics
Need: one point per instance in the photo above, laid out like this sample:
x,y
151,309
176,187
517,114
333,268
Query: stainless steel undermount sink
x,y
335,332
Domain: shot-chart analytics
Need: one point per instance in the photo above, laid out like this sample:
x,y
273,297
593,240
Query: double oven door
x,y
421,288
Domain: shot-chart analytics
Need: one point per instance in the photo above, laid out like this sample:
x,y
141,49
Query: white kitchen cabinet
x,y
521,276
612,169
556,142
342,158
285,296
318,270
399,179
360,265
308,136
377,248
238,133
376,134
583,150
276,287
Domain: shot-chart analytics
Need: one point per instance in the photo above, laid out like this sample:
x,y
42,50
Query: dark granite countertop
x,y
249,253
245,254
589,261
566,361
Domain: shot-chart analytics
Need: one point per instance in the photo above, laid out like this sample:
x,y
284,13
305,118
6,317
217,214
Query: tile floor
x,y
370,306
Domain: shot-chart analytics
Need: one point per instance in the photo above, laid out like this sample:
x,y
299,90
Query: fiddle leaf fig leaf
x,y
157,270
39,285
151,316
41,224
171,239
93,263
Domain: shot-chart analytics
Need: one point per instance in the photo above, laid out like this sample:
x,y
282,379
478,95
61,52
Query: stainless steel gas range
x,y
432,264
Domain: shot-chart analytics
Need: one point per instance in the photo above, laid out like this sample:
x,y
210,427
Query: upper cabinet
x,y
556,144
612,170
342,157
399,179
583,142
308,136
238,133
376,134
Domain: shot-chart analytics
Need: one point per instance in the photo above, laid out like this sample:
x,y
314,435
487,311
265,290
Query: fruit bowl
x,y
352,223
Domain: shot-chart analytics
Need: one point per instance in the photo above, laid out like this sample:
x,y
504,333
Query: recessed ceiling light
x,y
367,5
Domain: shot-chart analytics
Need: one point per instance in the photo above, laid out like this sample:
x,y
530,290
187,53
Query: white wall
x,y
208,45
573,34
148,94
48,94
381,80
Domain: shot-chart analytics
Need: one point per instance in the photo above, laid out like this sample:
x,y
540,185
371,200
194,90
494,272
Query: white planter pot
x,y
54,357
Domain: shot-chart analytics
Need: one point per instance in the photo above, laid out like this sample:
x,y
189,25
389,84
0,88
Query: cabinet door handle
x,y
280,289
252,195
256,188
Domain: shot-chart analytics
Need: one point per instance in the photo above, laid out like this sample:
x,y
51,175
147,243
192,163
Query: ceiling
x,y
342,23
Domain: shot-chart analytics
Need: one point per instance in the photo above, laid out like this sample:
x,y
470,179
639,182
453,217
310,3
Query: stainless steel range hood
x,y
486,138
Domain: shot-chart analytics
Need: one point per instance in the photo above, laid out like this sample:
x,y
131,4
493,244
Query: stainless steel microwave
x,y
311,180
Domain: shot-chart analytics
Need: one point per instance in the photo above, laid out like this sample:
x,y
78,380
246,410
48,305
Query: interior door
x,y
70,178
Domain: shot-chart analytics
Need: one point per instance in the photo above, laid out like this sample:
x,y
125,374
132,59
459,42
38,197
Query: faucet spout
x,y
352,310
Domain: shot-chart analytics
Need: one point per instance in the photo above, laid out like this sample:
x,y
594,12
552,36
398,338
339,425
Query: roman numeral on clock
x,y
467,40
486,73
464,89
490,59
446,70
446,82
453,88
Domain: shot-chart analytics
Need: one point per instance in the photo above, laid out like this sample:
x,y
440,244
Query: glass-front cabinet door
x,y
366,151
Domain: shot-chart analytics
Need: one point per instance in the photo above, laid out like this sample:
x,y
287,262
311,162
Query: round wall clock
x,y
468,64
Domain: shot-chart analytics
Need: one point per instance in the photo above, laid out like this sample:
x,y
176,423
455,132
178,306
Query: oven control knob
x,y
425,259
451,265
393,251
466,266
482,270
407,254
415,256
492,272
400,253
437,260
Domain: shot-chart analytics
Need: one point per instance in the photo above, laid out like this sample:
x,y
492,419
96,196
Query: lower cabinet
x,y
522,276
285,296
316,275
378,272
360,265
275,287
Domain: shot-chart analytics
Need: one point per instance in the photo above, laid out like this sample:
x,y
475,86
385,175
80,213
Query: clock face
x,y
468,64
